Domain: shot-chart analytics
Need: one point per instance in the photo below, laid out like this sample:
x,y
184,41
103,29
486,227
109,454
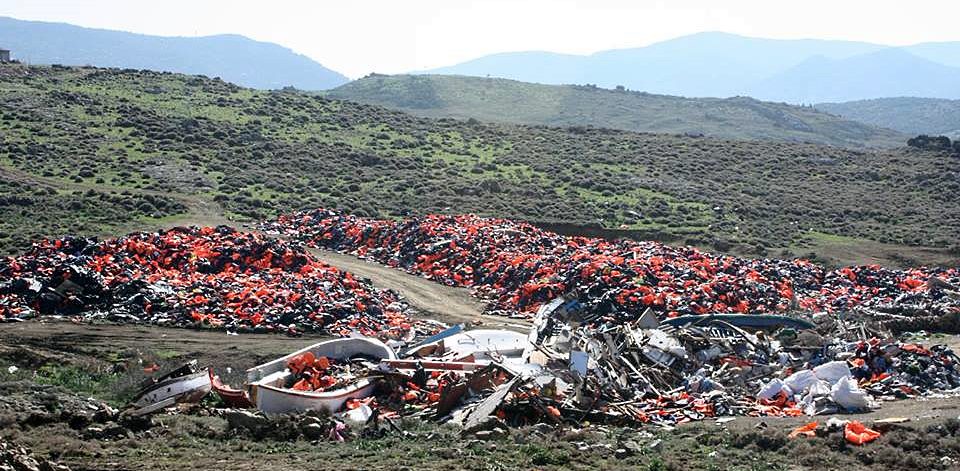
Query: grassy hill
x,y
906,114
502,100
90,151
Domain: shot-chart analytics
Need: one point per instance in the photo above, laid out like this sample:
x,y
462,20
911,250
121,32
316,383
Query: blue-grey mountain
x,y
724,65
234,58
885,73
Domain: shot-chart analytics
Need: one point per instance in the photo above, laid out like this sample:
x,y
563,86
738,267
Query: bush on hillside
x,y
926,142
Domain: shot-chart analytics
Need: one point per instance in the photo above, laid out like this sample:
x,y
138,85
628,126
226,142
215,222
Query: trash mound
x,y
196,277
15,457
519,267
662,374
566,372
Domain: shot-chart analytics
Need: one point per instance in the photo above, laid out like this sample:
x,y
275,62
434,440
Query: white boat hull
x,y
265,382
483,342
274,400
189,388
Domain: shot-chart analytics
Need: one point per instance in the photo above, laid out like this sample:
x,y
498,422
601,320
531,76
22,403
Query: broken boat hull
x,y
266,381
184,389
231,397
275,400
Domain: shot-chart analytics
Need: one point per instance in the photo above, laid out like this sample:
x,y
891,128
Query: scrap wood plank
x,y
450,397
481,414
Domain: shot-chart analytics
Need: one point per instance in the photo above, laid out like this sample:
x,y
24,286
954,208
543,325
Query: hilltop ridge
x,y
719,64
510,101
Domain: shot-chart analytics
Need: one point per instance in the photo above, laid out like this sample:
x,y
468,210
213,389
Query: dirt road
x,y
433,300
38,343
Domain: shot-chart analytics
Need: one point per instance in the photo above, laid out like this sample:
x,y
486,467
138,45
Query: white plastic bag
x,y
800,381
819,388
772,388
358,416
832,372
848,395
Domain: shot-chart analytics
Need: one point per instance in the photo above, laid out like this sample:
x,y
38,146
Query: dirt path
x,y
443,303
215,348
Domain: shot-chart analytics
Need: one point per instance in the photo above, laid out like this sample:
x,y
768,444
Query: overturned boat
x,y
268,384
186,384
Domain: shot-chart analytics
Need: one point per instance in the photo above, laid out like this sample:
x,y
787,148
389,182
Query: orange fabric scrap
x,y
858,434
808,430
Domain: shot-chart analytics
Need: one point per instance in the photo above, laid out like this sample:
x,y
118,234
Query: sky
x,y
357,37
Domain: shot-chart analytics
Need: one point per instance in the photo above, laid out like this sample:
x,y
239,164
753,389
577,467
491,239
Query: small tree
x,y
925,142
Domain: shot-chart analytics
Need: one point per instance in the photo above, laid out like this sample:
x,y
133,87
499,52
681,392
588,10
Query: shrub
x,y
925,142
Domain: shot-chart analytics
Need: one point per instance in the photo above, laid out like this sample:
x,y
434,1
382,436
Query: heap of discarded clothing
x,y
212,277
518,267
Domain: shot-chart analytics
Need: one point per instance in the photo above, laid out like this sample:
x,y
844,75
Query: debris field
x,y
626,333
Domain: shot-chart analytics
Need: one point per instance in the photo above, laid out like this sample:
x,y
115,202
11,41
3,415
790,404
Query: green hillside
x,y
906,114
509,101
95,151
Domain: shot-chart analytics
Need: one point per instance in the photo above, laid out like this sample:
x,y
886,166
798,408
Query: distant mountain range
x,y
910,115
712,64
233,58
725,65
885,73
502,100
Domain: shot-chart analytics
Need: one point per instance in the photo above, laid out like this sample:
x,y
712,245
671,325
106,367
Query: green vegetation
x,y
90,379
905,114
934,143
113,149
78,380
510,101
33,210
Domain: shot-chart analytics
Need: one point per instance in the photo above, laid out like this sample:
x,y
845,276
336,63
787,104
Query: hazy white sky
x,y
356,37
